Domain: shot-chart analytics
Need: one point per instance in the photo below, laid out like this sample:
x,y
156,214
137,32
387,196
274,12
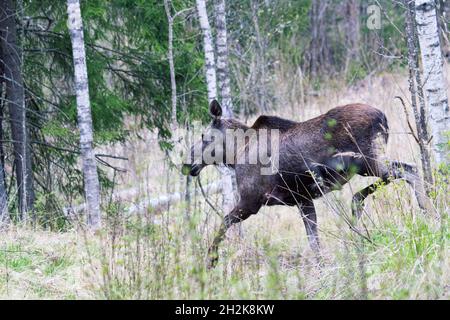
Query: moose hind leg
x,y
395,170
408,172
236,215
308,213
360,196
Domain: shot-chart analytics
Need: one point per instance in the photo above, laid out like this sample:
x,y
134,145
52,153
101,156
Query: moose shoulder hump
x,y
272,122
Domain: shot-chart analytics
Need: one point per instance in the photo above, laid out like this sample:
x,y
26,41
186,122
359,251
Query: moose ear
x,y
215,109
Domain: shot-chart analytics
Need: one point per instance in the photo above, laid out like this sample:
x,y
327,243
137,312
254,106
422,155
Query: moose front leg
x,y
236,215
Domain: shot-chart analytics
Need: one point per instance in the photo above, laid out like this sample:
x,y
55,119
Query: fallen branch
x,y
146,204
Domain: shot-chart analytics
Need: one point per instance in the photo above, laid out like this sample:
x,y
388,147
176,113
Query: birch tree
x,y
15,97
91,183
208,49
4,214
223,79
435,84
223,73
173,84
227,177
416,91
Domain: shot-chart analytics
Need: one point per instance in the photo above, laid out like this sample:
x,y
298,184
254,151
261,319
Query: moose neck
x,y
233,124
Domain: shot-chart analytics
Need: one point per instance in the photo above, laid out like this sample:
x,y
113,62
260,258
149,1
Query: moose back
x,y
313,157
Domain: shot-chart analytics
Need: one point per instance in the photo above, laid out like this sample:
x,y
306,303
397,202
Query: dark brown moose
x,y
315,157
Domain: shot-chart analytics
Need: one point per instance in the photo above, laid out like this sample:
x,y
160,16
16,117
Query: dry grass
x,y
39,264
161,254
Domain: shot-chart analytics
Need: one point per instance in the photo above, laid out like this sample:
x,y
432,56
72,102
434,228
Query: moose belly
x,y
280,199
295,189
291,193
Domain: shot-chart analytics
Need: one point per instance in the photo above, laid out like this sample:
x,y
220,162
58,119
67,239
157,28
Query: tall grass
x,y
144,259
161,254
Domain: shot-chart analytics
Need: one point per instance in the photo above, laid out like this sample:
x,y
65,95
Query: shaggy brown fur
x,y
315,157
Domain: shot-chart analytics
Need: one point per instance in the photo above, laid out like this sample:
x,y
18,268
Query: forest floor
x,y
161,254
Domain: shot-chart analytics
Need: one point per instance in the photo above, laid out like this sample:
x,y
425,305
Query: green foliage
x,y
126,46
385,47
402,262
262,35
14,258
356,71
163,256
48,212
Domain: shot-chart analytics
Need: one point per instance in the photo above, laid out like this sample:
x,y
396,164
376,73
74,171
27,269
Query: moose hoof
x,y
213,258
212,262
319,260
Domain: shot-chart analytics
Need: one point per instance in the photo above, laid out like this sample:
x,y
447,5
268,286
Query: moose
x,y
315,157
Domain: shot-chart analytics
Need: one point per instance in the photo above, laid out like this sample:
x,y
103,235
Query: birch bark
x,y
209,50
4,214
227,180
173,84
416,90
91,183
223,80
223,75
435,84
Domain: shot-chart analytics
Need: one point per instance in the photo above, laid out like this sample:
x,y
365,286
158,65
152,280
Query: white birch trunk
x,y
223,80
227,181
416,90
91,183
435,84
173,84
209,50
4,213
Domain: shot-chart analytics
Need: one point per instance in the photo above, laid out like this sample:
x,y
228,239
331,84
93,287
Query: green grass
x,y
39,264
162,256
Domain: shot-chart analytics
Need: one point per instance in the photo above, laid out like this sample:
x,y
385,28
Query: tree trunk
x,y
209,50
167,6
223,73
352,27
227,180
15,94
223,79
443,15
433,72
319,46
91,183
415,88
260,74
4,214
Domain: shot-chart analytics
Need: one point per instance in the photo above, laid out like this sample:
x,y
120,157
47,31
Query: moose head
x,y
210,149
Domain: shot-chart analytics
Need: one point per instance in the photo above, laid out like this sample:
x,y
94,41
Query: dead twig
x,y
407,118
199,182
